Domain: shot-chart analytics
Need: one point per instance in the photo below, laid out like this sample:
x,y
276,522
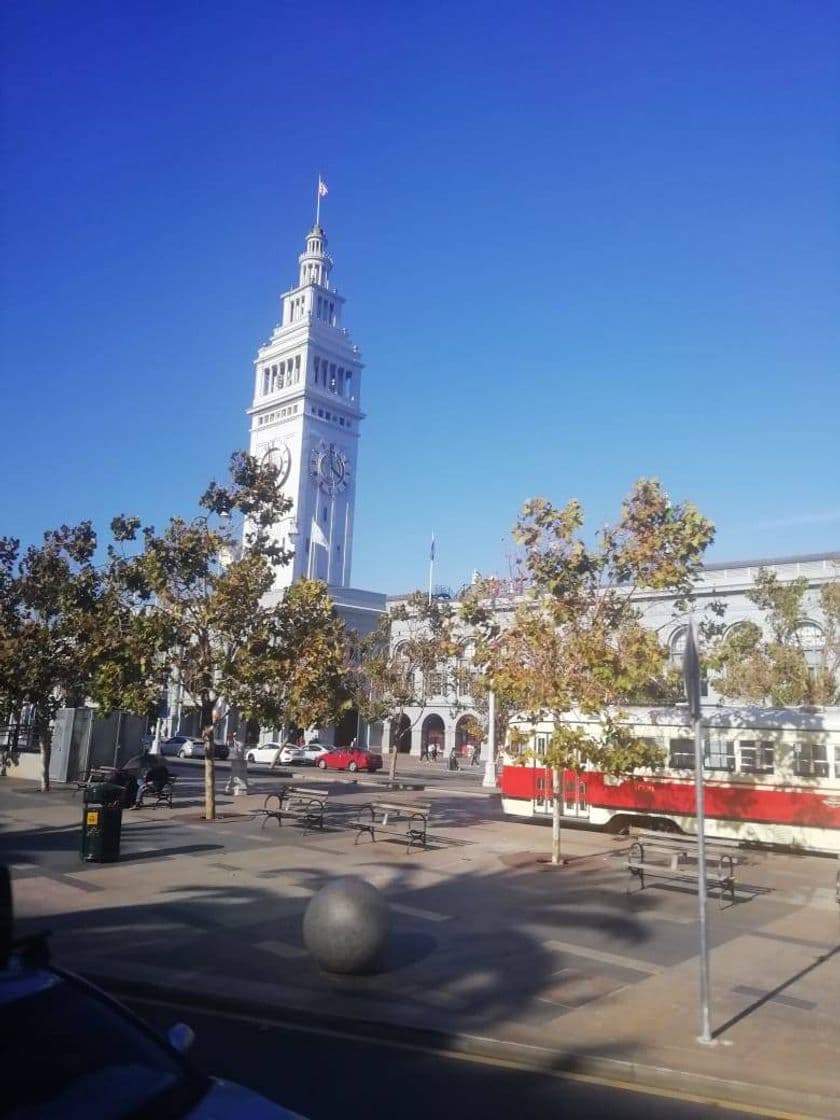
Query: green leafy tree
x,y
54,619
201,597
577,640
303,675
483,608
788,661
407,659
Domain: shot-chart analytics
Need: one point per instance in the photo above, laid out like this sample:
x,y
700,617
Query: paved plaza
x,y
493,950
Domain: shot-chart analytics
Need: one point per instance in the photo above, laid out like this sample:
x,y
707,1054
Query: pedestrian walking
x,y
238,779
424,752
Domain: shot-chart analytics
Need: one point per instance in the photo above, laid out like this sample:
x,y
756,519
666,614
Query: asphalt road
x,y
435,775
324,1076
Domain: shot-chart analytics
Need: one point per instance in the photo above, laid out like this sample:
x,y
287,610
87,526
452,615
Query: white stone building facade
x,y
444,715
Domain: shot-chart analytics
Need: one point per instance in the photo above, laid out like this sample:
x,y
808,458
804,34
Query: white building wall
x,y
729,583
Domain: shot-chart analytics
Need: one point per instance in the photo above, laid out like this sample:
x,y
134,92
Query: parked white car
x,y
265,752
292,755
312,752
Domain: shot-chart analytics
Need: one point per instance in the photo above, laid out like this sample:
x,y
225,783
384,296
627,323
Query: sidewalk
x,y
492,950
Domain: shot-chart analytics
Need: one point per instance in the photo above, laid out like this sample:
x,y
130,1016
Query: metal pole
x,y
489,780
117,739
705,1024
332,519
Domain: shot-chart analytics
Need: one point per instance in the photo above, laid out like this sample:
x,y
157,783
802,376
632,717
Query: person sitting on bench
x,y
156,778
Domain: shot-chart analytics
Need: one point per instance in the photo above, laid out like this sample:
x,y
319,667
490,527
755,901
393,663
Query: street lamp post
x,y
489,780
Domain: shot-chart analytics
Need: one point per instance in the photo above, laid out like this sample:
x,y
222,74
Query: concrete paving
x,y
493,949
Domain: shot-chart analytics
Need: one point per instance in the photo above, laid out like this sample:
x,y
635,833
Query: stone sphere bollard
x,y
346,926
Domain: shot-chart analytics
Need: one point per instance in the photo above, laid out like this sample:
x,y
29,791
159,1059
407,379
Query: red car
x,y
350,758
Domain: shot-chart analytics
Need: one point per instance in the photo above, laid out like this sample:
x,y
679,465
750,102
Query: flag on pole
x,y
318,535
322,187
432,548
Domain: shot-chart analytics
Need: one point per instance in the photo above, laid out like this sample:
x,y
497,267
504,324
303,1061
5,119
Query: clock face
x,y
279,455
331,468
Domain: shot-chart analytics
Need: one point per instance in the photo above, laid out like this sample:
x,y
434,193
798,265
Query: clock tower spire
x,y
305,415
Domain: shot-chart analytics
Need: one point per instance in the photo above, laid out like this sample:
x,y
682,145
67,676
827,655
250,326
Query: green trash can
x,y
101,823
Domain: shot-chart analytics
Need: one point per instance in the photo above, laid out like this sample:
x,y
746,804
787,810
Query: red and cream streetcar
x,y
772,776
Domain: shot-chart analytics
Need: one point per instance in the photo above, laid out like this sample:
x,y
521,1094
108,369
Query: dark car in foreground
x,y
70,1051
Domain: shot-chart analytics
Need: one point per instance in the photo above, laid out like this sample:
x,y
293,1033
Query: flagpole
x,y
346,536
431,567
318,202
311,549
332,520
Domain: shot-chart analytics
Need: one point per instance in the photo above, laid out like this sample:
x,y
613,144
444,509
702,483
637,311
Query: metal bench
x,y
154,795
299,803
668,857
414,818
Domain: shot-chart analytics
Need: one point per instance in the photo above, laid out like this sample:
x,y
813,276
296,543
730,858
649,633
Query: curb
x,y
631,1074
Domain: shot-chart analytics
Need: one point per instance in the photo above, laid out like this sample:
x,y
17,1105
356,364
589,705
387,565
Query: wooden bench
x,y
300,803
414,818
667,856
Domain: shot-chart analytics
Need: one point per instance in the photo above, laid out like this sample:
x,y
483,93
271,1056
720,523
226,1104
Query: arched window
x,y
676,645
810,639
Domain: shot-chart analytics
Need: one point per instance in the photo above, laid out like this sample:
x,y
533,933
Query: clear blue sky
x,y
580,243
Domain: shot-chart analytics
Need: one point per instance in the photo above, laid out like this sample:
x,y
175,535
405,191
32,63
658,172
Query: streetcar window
x,y
756,757
718,754
681,754
810,760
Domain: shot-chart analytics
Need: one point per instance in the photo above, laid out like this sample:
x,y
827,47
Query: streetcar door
x,y
575,801
542,780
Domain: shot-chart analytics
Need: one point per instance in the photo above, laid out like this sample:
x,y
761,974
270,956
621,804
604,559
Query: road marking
x,y
605,958
484,1060
414,912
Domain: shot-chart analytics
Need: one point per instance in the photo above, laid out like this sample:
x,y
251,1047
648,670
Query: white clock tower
x,y
306,414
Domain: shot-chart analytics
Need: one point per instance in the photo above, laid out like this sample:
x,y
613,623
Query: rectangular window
x,y
297,368
540,745
810,760
317,369
719,754
756,757
681,754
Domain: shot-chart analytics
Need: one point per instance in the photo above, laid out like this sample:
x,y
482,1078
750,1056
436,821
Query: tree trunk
x,y
209,760
45,745
556,793
392,761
